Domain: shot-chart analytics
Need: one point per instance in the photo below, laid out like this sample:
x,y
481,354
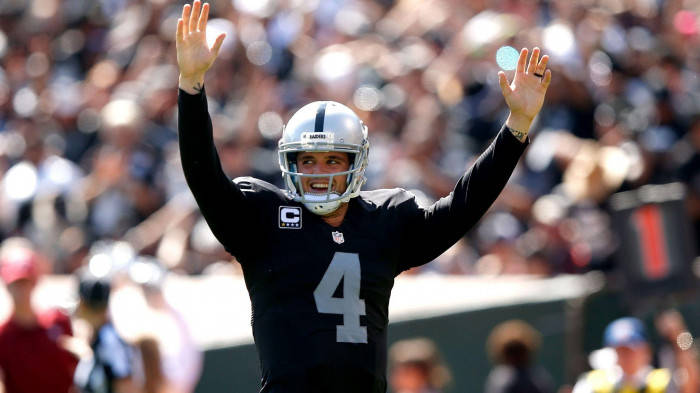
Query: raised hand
x,y
525,95
194,56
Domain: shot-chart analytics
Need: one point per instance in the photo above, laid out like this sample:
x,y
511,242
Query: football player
x,y
320,257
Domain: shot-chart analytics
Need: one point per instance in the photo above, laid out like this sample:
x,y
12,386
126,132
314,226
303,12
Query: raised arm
x,y
431,231
194,56
222,203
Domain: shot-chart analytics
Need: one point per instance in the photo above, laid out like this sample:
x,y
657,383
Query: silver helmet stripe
x,y
320,117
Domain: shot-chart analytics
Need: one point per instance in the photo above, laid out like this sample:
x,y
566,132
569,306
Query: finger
x,y
186,12
543,64
503,82
522,60
202,26
180,33
217,44
532,67
196,7
547,78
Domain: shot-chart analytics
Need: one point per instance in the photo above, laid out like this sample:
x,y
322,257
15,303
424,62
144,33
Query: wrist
x,y
519,123
191,84
519,126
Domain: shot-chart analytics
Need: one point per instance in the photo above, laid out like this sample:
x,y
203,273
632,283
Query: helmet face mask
x,y
324,126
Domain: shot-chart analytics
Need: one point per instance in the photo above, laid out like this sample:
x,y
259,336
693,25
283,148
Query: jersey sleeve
x,y
228,210
427,232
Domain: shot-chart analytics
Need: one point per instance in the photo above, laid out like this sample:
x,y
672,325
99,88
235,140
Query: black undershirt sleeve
x,y
225,207
428,232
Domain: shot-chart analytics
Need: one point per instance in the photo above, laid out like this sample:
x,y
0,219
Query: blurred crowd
x,y
627,362
88,93
90,347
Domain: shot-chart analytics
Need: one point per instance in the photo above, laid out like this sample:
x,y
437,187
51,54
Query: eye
x,y
336,161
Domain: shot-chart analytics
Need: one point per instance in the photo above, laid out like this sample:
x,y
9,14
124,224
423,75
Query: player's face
x,y
323,162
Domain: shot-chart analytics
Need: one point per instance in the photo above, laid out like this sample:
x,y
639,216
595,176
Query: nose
x,y
319,168
316,168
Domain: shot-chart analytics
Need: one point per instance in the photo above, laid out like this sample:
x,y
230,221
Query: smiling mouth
x,y
319,187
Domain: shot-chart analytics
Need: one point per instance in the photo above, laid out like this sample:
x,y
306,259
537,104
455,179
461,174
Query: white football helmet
x,y
324,126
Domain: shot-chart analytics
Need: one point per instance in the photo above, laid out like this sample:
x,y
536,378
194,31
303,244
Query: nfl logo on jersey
x,y
338,237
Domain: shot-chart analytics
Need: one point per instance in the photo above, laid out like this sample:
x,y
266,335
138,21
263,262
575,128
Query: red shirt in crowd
x,y
31,359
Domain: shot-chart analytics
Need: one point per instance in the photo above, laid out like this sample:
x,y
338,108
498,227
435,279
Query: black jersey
x,y
320,294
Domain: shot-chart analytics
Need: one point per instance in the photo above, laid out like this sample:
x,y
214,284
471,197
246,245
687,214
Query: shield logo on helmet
x,y
338,237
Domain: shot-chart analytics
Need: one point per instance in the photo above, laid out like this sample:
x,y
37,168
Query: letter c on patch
x,y
289,215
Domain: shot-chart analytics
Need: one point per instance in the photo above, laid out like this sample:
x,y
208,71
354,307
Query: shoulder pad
x,y
249,184
387,198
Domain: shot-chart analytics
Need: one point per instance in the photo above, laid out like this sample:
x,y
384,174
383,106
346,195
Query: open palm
x,y
194,56
525,95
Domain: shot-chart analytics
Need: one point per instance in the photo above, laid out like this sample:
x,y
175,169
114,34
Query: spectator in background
x,y
512,346
109,368
633,371
415,366
180,361
121,189
32,358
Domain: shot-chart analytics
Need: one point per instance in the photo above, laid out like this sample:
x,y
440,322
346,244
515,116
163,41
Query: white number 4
x,y
344,266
